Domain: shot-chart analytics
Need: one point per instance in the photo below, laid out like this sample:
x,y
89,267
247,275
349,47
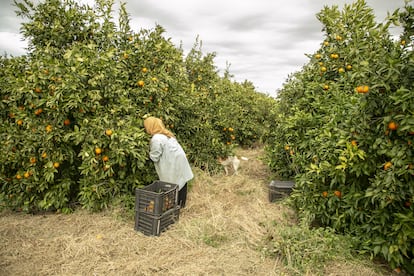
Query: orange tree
x,y
73,108
344,132
242,114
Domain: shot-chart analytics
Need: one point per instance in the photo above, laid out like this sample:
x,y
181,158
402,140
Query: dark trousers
x,y
182,196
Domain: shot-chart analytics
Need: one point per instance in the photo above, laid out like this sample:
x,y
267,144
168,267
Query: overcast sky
x,y
264,41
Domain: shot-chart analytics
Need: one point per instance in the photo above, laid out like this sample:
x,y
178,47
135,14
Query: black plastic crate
x,y
152,225
279,189
156,198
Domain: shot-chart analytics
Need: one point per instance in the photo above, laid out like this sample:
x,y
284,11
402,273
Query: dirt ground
x,y
218,233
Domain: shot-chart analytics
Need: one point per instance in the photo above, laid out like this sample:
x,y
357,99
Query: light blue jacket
x,y
170,160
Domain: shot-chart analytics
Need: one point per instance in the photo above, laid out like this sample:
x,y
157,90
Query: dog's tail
x,y
244,158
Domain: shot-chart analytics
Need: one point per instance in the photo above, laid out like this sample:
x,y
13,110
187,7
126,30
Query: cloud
x,y
12,44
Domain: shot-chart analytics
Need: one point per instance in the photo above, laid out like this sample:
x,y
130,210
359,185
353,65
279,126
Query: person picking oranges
x,y
169,157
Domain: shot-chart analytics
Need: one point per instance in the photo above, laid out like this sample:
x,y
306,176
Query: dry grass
x,y
217,234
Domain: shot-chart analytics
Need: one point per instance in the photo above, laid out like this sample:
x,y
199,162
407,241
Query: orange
x,y
354,143
317,56
105,158
26,174
392,125
66,122
144,70
108,132
349,67
325,87
98,150
56,165
18,176
20,122
33,160
323,69
387,165
341,70
38,90
287,147
140,83
48,128
325,194
338,194
44,155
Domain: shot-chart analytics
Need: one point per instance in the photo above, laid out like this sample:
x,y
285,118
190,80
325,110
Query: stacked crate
x,y
156,207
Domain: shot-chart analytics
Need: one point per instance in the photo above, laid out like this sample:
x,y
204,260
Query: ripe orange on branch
x,y
392,125
387,165
141,83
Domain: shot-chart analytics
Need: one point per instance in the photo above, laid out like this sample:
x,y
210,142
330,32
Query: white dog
x,y
231,162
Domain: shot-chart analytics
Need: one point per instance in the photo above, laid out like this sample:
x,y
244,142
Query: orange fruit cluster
x,y
362,89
